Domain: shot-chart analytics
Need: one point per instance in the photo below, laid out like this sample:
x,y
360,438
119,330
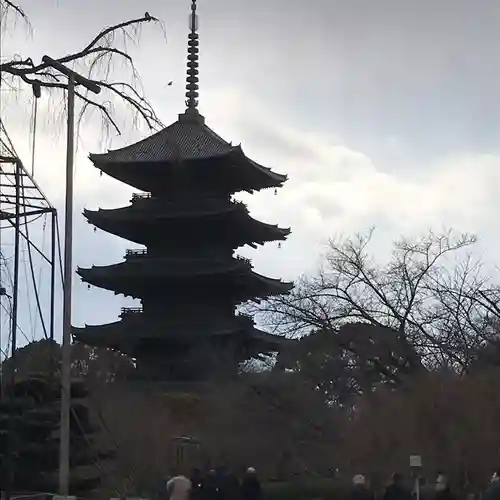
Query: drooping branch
x,y
97,58
16,8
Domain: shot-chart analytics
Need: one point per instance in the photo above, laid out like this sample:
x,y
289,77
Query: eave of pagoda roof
x,y
186,141
137,281
124,337
170,267
122,269
150,208
117,221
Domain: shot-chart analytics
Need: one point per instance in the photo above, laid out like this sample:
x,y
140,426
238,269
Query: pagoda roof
x,y
135,221
163,209
127,334
144,273
166,266
187,139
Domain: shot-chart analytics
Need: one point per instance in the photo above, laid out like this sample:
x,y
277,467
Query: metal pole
x,y
52,292
68,271
15,303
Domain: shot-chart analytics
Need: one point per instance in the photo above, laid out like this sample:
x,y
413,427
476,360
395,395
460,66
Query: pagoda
x,y
186,275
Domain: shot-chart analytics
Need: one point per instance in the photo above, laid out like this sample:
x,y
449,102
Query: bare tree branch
x,y
97,57
422,294
8,5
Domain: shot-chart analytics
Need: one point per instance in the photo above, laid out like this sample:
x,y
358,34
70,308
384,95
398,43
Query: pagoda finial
x,y
192,65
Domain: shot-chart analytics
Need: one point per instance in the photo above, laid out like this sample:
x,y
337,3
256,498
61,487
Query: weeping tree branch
x,y
97,57
12,6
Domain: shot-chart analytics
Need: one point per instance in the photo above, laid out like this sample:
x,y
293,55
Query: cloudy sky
x,y
382,112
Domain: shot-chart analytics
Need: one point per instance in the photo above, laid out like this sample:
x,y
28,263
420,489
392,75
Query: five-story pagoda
x,y
186,277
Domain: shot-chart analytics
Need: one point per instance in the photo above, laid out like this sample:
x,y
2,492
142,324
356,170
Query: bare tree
x,y
95,60
422,294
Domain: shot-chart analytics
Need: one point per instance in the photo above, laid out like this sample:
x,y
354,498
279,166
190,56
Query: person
x,y
229,487
210,490
179,488
196,479
493,490
426,490
397,490
360,490
443,490
251,488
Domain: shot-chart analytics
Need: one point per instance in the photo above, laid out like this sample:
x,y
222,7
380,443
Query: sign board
x,y
415,461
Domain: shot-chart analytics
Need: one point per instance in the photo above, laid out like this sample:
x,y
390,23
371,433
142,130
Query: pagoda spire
x,y
192,64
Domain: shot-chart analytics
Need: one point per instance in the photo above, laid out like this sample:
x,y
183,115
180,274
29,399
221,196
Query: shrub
x,y
303,489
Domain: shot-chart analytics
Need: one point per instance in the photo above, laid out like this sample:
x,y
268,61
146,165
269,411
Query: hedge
x,y
303,489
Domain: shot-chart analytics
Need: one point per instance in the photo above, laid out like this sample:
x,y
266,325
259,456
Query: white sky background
x,y
382,113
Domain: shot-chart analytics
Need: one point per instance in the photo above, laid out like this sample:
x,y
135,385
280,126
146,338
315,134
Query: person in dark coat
x,y
210,489
251,488
229,488
397,489
443,490
360,490
493,490
196,478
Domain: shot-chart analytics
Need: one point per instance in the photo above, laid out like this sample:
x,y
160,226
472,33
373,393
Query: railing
x,y
135,253
131,254
193,201
131,310
140,196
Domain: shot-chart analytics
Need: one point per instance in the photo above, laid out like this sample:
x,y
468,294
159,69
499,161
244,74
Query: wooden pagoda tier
x,y
142,275
186,156
209,220
193,350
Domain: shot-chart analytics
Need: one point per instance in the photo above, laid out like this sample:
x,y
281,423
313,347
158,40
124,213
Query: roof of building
x,y
161,209
129,277
136,222
126,332
187,138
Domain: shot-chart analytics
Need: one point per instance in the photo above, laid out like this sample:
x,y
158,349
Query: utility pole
x,y
64,450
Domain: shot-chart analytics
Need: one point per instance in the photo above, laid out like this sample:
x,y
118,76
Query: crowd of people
x,y
216,485
440,490
222,485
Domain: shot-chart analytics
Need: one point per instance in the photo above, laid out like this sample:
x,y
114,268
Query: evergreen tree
x,y
29,437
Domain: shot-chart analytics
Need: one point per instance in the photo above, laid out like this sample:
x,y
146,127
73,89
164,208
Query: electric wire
x,y
41,268
21,331
28,297
34,119
30,255
58,237
35,218
33,277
